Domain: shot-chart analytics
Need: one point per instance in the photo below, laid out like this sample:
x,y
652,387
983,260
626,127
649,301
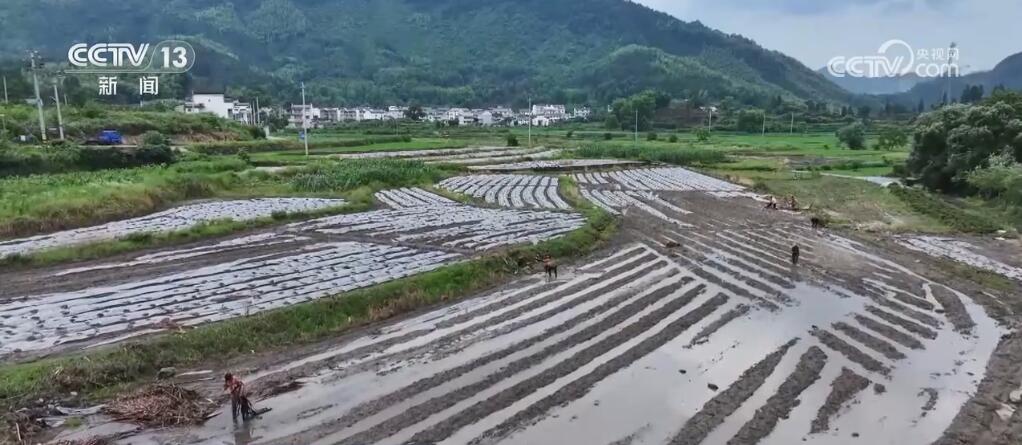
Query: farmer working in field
x,y
239,402
795,251
550,266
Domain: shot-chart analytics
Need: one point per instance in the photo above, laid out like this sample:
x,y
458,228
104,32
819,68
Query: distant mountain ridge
x,y
874,85
1008,74
469,52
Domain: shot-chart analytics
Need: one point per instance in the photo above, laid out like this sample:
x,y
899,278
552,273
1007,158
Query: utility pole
x,y
764,123
636,126
60,118
38,100
6,101
530,123
305,126
257,112
3,117
792,123
711,119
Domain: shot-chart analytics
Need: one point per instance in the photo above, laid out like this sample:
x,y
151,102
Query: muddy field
x,y
177,218
518,191
110,301
462,156
700,330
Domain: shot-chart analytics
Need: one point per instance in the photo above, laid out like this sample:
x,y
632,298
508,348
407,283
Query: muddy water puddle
x,y
588,362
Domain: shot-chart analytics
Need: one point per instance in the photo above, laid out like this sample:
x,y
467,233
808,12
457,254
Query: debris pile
x,y
161,406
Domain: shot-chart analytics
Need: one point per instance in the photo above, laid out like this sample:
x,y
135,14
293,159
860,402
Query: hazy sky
x,y
814,31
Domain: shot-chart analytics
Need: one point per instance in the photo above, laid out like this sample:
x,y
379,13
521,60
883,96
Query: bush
x,y
652,136
607,136
853,136
570,134
702,134
512,140
154,139
673,138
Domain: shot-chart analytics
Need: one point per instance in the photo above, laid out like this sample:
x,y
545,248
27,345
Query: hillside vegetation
x,y
433,52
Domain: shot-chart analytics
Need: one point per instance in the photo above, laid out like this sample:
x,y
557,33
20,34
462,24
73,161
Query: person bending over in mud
x,y
795,252
239,401
550,266
772,204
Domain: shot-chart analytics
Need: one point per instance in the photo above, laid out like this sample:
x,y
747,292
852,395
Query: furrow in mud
x,y
779,405
372,407
590,288
580,387
851,352
738,260
907,311
910,326
874,343
842,389
764,261
704,335
698,271
889,332
502,400
954,310
726,403
499,304
420,412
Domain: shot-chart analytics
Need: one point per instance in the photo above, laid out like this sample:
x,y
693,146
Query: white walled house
x,y
219,105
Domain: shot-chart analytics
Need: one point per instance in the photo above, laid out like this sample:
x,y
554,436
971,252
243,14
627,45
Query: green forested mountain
x,y
469,52
1007,74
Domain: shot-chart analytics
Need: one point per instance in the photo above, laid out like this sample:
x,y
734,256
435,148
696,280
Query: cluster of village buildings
x,y
320,117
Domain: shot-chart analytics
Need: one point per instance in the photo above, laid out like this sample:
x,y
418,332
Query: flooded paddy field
x,y
698,332
177,218
108,301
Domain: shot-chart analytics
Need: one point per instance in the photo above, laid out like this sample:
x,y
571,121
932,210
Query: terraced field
x,y
700,332
178,218
517,191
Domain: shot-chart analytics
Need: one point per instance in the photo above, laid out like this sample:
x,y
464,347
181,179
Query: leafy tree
x,y
642,105
512,140
853,136
607,136
892,138
955,140
702,134
750,121
612,123
673,138
652,136
972,94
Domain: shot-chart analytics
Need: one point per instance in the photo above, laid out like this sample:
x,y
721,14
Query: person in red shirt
x,y
239,402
